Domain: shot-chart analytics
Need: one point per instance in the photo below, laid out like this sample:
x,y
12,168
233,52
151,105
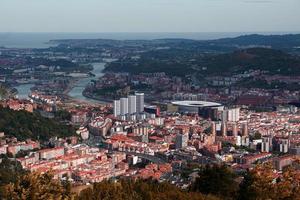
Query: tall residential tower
x,y
124,106
131,104
117,108
140,103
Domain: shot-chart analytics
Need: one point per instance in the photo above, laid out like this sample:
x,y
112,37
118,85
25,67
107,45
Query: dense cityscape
x,y
142,125
149,100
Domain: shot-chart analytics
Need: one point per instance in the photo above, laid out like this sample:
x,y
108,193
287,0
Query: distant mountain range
x,y
290,43
277,54
275,41
266,59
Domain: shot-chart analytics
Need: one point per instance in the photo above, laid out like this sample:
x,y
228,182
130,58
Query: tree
x,y
62,115
262,183
37,186
217,180
139,190
24,125
10,171
257,135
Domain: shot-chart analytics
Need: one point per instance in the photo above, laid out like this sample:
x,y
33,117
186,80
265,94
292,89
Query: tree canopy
x,y
217,180
262,183
36,186
139,190
215,183
24,125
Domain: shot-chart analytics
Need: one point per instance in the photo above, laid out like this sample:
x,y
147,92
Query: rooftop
x,y
196,103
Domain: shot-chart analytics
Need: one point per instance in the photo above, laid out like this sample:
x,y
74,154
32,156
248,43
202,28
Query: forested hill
x,y
289,41
270,60
181,63
24,125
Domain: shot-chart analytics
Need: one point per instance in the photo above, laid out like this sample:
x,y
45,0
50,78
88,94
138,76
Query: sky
x,y
149,15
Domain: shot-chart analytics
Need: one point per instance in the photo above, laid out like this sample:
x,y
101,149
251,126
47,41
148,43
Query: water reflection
x,y
24,90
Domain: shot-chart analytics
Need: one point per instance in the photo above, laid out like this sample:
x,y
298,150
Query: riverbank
x,y
76,91
97,98
75,88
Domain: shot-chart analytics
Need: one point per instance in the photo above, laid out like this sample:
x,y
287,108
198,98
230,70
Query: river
x,y
76,92
24,90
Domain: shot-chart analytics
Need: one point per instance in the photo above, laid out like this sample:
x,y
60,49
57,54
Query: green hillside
x,y
24,125
181,62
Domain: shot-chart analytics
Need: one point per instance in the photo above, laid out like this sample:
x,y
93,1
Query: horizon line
x,y
141,32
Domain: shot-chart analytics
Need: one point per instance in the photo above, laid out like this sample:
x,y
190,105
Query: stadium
x,y
200,107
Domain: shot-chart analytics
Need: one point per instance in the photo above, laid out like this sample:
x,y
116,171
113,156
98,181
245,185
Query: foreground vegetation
x,y
214,183
139,190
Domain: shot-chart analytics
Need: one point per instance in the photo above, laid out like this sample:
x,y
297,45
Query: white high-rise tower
x,y
124,106
131,104
140,102
117,109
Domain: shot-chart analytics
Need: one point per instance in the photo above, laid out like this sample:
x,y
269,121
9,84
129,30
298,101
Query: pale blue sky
x,y
149,15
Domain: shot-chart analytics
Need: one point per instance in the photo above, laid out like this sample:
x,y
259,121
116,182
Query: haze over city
x,y
149,15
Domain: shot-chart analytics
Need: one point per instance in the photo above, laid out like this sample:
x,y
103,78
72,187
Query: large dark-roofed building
x,y
205,109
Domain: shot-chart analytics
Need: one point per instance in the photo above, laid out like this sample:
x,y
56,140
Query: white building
x,y
51,153
83,132
140,102
231,115
124,106
242,141
130,107
132,104
284,145
117,108
266,145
